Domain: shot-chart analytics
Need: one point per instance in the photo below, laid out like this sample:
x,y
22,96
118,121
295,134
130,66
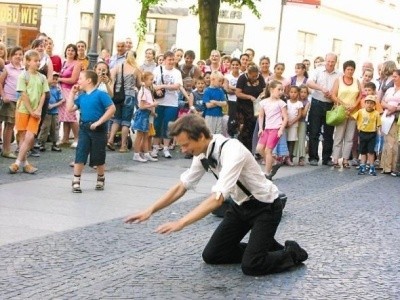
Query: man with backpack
x,y
256,205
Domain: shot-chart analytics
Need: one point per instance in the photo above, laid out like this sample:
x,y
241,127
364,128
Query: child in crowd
x,y
141,122
300,144
214,100
29,109
96,108
370,89
207,78
196,104
273,114
50,123
294,108
184,96
368,124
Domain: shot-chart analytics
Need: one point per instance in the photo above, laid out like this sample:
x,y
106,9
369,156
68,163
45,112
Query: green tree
x,y
208,11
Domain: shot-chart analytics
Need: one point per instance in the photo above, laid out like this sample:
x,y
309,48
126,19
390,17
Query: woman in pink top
x,y
8,86
68,77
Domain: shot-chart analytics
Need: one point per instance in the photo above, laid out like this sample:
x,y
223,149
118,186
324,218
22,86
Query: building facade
x,y
287,31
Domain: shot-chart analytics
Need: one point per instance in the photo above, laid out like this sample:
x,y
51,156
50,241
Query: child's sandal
x,y
100,183
76,187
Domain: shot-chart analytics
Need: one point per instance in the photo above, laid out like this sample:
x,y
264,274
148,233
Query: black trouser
x,y
262,254
247,122
316,120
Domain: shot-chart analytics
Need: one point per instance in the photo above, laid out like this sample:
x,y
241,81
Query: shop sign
x,y
311,2
20,15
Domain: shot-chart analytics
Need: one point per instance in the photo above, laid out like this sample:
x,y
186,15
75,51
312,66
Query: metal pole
x,y
279,31
95,33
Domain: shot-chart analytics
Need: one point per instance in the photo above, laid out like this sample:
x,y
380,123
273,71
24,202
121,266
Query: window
x,y
106,31
388,51
162,32
229,37
357,50
305,45
337,49
372,53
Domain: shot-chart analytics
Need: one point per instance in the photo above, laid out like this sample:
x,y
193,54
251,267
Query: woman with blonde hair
x,y
129,74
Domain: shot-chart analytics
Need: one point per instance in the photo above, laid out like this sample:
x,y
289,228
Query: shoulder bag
x,y
161,92
119,97
336,115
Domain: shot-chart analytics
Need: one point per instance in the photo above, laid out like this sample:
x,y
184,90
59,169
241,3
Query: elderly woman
x,y
346,91
248,87
391,105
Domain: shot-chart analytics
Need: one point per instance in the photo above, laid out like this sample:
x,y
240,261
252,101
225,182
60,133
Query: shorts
x,y
91,142
7,112
25,122
367,142
124,112
141,120
269,138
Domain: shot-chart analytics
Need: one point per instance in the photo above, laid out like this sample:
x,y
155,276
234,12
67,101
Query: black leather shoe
x,y
298,254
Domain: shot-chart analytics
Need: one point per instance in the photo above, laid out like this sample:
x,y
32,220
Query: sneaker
x,y
354,162
395,174
30,169
298,254
137,157
37,145
313,162
42,148
166,153
372,171
148,157
328,163
171,147
361,170
154,153
55,148
34,153
13,168
74,145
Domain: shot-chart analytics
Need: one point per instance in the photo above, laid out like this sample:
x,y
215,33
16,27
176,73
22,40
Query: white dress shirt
x,y
235,162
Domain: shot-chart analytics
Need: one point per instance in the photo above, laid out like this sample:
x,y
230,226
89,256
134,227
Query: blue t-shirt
x,y
93,105
198,101
55,96
213,93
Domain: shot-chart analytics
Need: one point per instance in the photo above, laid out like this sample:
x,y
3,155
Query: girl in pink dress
x,y
68,77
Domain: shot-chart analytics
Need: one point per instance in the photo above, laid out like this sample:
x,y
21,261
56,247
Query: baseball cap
x,y
370,98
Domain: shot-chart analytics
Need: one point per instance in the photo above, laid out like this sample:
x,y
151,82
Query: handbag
x,y
336,115
119,97
161,93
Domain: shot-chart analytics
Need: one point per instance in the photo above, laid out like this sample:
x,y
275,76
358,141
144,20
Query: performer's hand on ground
x,y
169,227
138,217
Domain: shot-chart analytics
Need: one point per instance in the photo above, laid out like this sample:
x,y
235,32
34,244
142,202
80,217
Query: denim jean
x,y
262,254
317,120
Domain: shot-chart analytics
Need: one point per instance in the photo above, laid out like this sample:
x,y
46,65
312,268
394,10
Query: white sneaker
x,y
149,157
74,145
137,157
154,153
166,153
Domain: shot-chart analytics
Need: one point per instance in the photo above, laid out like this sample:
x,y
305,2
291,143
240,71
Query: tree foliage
x,y
208,11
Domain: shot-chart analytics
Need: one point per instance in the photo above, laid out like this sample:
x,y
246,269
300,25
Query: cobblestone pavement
x,y
349,225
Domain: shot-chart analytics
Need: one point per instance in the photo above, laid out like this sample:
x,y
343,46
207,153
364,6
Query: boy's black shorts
x,y
367,142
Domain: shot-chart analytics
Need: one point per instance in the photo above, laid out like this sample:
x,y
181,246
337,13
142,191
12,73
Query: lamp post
x,y
95,33
279,31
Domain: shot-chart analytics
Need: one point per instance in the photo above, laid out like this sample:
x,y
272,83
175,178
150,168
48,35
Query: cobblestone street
x,y
349,225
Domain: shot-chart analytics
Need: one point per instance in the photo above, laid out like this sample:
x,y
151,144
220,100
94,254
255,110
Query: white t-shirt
x,y
232,80
293,110
169,77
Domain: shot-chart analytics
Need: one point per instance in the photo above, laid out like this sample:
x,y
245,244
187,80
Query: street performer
x,y
256,205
